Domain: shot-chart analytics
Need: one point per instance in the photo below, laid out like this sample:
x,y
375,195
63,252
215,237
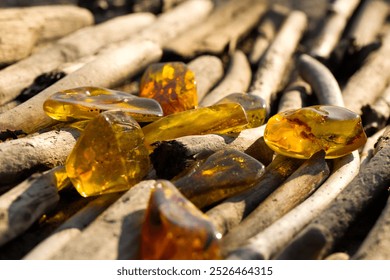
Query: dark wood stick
x,y
303,182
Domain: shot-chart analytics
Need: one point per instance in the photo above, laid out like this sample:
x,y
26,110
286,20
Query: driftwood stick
x,y
303,182
318,238
336,20
8,106
367,24
71,228
369,148
232,211
294,96
24,204
208,71
84,42
20,157
173,156
376,246
366,85
321,80
283,230
107,70
274,63
23,28
375,116
115,234
237,79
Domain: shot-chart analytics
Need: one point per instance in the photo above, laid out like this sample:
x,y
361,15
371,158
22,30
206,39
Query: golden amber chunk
x,y
221,118
88,102
109,156
303,132
254,106
222,175
172,84
175,229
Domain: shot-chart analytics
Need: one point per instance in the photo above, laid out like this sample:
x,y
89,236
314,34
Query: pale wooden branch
x,y
274,63
303,182
8,106
369,148
20,157
115,234
294,96
232,211
237,79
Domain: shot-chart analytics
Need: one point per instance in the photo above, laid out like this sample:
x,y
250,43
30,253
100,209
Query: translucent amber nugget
x,y
175,229
254,106
172,85
88,102
223,174
109,156
303,132
221,118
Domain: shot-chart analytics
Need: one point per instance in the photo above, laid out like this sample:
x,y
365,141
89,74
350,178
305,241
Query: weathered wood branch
x,y
294,96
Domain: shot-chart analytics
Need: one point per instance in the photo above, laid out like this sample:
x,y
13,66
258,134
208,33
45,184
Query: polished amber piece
x,y
88,102
175,229
223,174
172,84
303,132
109,156
221,118
254,106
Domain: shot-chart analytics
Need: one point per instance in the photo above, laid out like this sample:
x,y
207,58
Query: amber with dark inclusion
x,y
303,132
221,118
87,102
175,229
254,106
109,156
222,175
172,84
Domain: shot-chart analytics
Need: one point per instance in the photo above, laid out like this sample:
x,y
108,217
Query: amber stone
x,y
254,106
175,229
87,102
109,156
222,175
303,132
221,118
172,84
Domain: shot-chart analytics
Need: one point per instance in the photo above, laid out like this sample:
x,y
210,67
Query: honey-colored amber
x,y
223,174
109,156
172,84
61,177
303,132
221,118
88,102
175,229
254,106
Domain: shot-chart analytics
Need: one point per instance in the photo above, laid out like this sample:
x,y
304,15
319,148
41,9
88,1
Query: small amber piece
x,y
175,229
223,174
221,118
303,132
109,156
88,102
254,106
172,84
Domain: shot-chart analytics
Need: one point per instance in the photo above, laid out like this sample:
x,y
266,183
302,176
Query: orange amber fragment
x,y
172,84
87,102
109,156
175,229
222,175
303,132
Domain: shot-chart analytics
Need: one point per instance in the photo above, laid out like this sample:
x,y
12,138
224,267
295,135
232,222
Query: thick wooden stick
x,y
369,148
294,96
275,61
237,79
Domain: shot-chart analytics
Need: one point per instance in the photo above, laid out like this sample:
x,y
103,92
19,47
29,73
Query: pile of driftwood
x,y
298,209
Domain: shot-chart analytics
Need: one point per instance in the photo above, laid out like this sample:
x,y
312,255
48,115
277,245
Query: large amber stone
x,y
222,175
221,118
109,156
254,106
88,102
175,229
172,84
303,132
